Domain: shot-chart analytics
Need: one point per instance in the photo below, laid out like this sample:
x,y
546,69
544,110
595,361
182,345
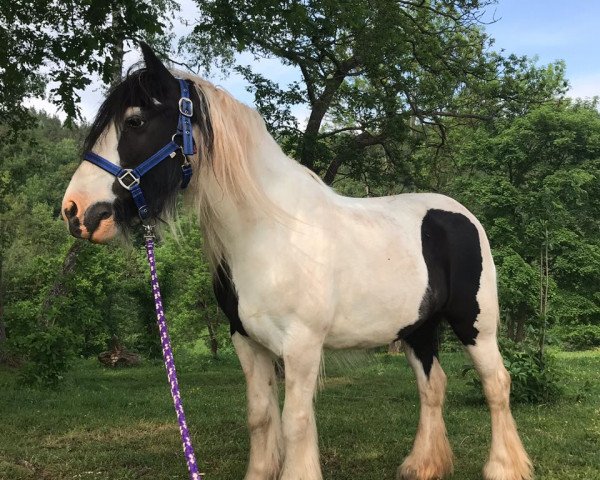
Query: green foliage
x,y
539,173
534,376
401,98
517,283
580,337
49,354
65,43
186,283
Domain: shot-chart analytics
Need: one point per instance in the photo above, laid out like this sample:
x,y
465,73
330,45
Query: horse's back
x,y
404,205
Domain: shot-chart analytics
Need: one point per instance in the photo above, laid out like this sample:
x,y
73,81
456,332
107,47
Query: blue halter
x,y
129,178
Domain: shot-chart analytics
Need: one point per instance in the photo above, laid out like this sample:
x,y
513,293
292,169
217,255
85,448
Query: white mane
x,y
229,165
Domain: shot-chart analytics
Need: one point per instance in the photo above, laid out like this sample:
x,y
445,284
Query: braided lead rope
x,y
186,441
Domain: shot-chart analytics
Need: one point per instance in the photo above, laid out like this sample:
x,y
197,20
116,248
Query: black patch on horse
x,y
423,338
452,253
227,298
95,214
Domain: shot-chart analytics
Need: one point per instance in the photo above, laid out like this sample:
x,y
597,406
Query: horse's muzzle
x,y
95,223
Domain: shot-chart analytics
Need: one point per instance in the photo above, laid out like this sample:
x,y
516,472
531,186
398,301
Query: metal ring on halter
x,y
185,157
128,172
186,107
176,134
186,160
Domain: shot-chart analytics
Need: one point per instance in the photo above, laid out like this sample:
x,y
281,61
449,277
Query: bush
x,y
580,337
49,353
534,377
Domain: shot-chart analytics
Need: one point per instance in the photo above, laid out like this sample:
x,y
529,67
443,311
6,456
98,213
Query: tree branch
x,y
437,113
308,146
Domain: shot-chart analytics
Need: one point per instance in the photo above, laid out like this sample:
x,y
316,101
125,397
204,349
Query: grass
x,y
119,424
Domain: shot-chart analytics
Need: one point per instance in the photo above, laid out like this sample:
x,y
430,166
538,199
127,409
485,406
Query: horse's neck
x,y
290,192
287,184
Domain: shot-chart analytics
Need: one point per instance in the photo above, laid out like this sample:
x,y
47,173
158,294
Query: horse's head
x,y
138,118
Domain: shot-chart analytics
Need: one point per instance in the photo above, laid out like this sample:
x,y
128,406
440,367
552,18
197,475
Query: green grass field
x,y
119,425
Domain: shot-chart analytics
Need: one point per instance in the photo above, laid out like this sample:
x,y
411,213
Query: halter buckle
x,y
186,107
130,177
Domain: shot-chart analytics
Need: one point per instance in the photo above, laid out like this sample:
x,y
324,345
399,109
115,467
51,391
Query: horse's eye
x,y
134,121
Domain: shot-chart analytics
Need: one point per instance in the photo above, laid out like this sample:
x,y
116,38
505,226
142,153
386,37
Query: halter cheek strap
x,y
130,178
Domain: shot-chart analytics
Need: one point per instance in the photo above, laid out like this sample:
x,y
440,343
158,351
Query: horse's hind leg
x,y
431,456
508,459
264,419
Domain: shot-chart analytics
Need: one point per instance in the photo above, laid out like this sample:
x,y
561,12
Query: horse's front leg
x,y
302,357
264,419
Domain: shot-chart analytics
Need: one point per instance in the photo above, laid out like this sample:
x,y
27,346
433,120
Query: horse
x,y
298,268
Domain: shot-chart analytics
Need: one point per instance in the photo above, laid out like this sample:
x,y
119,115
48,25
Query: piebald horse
x,y
298,268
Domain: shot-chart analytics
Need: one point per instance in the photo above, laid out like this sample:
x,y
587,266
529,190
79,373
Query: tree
x,y
72,40
534,181
32,170
371,73
3,241
65,43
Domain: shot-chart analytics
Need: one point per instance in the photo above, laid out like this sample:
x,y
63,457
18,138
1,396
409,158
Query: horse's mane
x,y
235,128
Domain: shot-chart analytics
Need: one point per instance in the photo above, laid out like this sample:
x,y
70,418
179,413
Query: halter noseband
x,y
129,178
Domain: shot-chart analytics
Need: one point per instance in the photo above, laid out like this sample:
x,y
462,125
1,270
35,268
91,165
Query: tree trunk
x,y
59,288
212,335
117,49
520,329
358,143
2,325
510,326
333,168
2,329
118,355
544,280
308,145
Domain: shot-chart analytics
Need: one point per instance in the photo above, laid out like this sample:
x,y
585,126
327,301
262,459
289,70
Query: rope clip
x,y
149,231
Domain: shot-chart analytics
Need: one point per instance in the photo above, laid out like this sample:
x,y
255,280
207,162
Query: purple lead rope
x,y
188,449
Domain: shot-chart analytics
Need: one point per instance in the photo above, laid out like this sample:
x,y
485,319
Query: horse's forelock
x,y
138,89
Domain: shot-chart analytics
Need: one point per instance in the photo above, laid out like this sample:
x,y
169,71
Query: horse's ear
x,y
154,65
